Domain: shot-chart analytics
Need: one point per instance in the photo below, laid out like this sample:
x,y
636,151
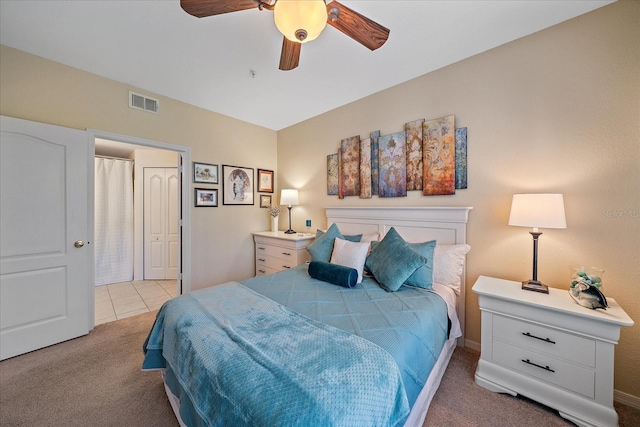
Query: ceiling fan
x,y
300,21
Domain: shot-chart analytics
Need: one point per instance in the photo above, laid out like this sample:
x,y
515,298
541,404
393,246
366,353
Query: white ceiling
x,y
155,46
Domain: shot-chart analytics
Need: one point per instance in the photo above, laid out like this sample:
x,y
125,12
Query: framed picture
x,y
207,197
205,173
237,185
265,181
265,201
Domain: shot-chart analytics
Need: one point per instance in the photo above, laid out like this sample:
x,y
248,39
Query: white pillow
x,y
371,237
448,262
350,254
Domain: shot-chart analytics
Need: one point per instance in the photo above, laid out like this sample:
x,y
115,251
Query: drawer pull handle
x,y
261,259
546,368
261,248
285,266
527,334
262,271
286,253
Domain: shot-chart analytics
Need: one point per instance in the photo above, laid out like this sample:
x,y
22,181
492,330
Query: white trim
x,y
91,186
185,190
472,345
626,399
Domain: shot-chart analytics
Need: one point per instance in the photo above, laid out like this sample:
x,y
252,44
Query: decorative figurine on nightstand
x,y
585,289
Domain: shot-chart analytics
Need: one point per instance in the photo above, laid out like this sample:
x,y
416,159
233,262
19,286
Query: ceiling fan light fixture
x,y
300,20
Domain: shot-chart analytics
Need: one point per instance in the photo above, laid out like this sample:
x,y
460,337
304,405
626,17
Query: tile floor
x,y
120,300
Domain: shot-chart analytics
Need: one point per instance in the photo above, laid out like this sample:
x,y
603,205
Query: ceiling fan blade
x,y
290,54
203,8
358,27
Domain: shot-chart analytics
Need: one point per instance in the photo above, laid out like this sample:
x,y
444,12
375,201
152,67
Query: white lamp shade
x,y
291,16
538,211
289,197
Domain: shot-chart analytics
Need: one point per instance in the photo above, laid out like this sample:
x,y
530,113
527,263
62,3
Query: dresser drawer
x,y
277,252
273,263
563,374
553,342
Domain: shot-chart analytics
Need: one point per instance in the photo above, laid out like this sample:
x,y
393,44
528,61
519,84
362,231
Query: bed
x,y
289,349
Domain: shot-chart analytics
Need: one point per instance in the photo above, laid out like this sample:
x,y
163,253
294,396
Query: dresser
x,y
276,251
549,349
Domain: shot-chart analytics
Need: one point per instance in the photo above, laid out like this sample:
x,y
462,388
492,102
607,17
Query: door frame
x,y
184,257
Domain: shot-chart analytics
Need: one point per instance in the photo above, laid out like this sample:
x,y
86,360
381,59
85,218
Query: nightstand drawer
x,y
544,340
261,270
273,263
276,251
552,370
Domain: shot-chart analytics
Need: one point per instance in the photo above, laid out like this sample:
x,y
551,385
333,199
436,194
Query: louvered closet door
x,y
160,223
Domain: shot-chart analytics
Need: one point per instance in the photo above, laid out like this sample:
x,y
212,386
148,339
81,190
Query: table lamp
x,y
289,197
537,211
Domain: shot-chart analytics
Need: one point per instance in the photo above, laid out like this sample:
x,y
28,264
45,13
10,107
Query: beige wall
x,y
558,111
36,89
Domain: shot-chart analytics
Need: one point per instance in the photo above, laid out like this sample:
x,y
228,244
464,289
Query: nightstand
x,y
549,349
276,251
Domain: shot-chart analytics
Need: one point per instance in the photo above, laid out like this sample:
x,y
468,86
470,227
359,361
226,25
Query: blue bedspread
x,y
243,359
411,324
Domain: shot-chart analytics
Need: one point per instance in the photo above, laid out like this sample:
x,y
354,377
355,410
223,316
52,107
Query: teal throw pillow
x,y
423,276
392,261
352,238
322,247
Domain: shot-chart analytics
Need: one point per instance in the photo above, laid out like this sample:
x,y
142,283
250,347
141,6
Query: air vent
x,y
141,102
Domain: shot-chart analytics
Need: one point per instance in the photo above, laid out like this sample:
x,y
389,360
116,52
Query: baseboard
x,y
472,345
618,396
626,399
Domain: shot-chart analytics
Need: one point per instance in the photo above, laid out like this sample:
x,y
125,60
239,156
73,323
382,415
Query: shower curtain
x,y
113,221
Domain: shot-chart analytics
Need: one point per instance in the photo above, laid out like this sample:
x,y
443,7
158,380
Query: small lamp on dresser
x,y
289,197
537,211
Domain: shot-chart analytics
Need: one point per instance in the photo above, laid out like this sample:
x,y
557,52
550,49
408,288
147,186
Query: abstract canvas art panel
x,y
365,168
332,174
392,158
461,158
375,175
439,156
350,166
414,154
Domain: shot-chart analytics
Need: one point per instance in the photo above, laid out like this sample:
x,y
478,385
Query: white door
x,y
160,223
46,289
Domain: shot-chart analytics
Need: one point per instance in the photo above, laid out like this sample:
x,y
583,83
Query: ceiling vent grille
x,y
141,102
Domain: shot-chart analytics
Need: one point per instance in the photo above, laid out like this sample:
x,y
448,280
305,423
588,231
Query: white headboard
x,y
447,225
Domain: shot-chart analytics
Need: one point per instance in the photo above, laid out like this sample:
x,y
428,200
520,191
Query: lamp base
x,y
535,286
290,232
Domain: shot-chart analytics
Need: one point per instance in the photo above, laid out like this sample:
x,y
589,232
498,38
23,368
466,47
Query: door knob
x,y
78,244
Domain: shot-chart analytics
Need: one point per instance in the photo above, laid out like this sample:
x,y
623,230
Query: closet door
x,y
160,223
